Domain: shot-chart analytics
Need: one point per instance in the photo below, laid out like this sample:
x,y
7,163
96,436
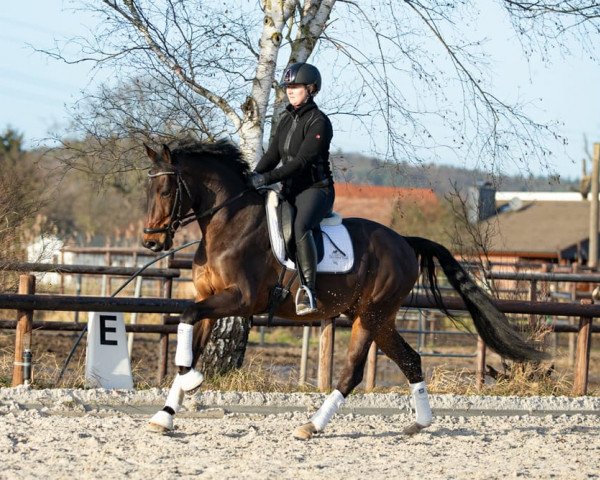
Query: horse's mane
x,y
224,151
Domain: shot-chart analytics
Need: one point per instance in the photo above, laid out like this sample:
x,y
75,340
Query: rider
x,y
301,143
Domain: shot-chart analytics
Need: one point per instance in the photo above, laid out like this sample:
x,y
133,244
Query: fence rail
x,y
89,269
545,276
15,301
31,302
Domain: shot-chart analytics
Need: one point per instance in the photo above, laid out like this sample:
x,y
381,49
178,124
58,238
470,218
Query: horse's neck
x,y
232,220
213,188
229,230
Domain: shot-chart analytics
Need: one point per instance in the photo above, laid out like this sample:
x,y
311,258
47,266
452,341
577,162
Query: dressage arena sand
x,y
102,434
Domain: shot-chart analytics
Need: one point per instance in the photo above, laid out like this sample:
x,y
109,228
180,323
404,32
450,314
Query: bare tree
x,y
409,77
21,199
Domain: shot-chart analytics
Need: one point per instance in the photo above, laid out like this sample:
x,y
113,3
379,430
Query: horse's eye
x,y
165,193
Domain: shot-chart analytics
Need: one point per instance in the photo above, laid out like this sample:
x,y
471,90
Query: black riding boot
x,y
306,262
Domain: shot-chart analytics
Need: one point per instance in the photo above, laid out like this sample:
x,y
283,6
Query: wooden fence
x,y
26,301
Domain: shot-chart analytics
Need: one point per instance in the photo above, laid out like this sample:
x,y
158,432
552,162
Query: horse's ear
x,y
166,154
151,153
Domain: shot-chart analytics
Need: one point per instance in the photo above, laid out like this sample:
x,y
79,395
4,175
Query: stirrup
x,y
305,301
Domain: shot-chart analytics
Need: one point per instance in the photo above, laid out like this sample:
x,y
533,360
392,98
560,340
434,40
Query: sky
x,y
36,91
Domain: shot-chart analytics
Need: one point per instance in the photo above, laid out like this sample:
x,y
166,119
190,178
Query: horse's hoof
x,y
190,381
161,422
305,432
414,428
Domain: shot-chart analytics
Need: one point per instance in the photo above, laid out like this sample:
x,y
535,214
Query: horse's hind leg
x,y
352,373
409,361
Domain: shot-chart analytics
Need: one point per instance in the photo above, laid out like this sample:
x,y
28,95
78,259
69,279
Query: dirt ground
x,y
76,442
37,444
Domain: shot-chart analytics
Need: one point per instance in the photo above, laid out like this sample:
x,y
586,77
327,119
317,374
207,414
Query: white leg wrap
x,y
421,399
190,380
185,336
175,395
331,405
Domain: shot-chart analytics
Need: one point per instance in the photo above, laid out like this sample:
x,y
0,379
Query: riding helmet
x,y
302,73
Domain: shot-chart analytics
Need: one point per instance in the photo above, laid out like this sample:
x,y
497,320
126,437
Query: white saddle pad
x,y
337,258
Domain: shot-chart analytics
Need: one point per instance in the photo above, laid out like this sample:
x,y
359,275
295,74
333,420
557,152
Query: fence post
x,y
572,336
533,298
106,280
371,368
78,285
326,354
582,358
163,349
420,329
432,317
480,370
61,259
304,357
133,318
24,328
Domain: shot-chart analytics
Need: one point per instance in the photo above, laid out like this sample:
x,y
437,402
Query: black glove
x,y
257,180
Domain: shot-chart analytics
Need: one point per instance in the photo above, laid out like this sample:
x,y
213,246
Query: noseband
x,y
177,219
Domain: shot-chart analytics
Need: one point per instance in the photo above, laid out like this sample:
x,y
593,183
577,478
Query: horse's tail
x,y
491,324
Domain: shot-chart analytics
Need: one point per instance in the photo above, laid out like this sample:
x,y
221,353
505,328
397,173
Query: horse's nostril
x,y
150,244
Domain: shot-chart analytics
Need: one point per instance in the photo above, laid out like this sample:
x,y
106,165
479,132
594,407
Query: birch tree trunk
x,y
227,345
255,107
313,22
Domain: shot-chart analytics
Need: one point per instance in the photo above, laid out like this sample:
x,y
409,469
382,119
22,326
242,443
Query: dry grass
x,y
45,371
258,375
521,380
6,366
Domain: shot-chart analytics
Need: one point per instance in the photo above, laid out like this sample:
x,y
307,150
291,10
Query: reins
x,y
176,218
190,217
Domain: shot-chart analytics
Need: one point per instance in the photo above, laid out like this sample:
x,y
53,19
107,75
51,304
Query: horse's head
x,y
205,177
167,201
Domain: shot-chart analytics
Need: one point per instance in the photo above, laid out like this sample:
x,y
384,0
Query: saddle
x,y
335,253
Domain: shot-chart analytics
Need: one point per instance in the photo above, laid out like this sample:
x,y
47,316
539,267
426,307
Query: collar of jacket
x,y
307,107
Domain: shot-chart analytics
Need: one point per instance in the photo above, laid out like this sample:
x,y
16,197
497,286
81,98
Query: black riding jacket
x,y
301,143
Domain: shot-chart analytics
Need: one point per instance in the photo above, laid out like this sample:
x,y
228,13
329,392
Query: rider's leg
x,y
306,261
311,206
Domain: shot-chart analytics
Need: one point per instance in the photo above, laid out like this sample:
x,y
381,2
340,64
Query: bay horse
x,y
234,270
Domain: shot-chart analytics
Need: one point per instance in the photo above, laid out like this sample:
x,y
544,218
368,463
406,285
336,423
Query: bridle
x,y
176,210
177,218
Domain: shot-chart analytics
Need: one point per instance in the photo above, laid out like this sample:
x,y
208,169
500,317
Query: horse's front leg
x,y
191,331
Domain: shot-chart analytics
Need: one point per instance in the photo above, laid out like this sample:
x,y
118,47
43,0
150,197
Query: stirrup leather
x,y
305,301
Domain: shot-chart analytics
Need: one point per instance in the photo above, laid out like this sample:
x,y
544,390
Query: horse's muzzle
x,y
157,245
153,245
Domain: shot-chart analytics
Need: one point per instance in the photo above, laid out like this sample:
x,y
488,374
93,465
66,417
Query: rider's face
x,y
297,94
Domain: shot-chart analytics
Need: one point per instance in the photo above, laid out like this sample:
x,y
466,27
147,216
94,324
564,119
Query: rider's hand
x,y
257,180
